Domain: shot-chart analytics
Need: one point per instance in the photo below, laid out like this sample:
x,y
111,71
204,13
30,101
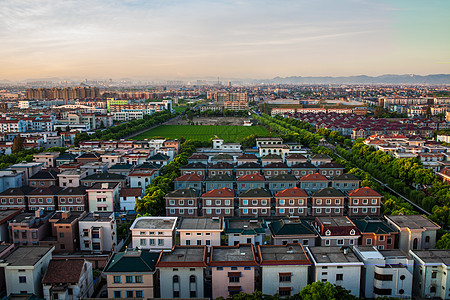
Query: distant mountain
x,y
363,79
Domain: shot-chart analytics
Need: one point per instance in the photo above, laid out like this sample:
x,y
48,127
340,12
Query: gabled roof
x,y
288,227
296,156
122,166
45,175
328,192
64,271
305,165
331,165
158,156
66,156
198,156
79,190
283,177
368,225
104,176
276,165
320,156
249,165
291,192
189,177
221,165
146,166
247,156
133,261
218,193
22,191
89,155
131,192
48,191
220,177
252,177
364,192
187,193
256,193
271,157
346,176
314,177
222,156
195,165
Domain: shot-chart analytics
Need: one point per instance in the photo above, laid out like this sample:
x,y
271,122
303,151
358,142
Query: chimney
x,y
39,212
65,214
105,185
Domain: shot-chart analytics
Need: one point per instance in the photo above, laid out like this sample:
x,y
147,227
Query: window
x,y
327,242
22,279
389,241
117,294
328,201
233,279
339,277
227,202
364,210
319,201
116,279
160,242
181,202
368,241
373,210
192,279
355,201
245,211
327,210
355,210
318,210
374,201
175,279
281,202
138,279
208,202
129,279
263,202
139,294
244,202
129,294
340,242
285,277
433,274
254,202
281,210
143,242
171,202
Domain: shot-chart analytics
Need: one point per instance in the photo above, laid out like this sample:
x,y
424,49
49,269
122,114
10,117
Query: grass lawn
x,y
204,132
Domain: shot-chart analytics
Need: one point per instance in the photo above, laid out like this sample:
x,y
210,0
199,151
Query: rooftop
x,y
27,256
98,217
63,271
434,256
239,253
286,254
154,223
200,224
133,261
413,222
336,255
183,254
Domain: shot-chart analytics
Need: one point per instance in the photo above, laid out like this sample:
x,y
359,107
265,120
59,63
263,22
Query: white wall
x,y
194,236
270,278
184,286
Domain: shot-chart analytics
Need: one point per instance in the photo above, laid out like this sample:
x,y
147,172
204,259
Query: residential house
x,y
284,269
182,202
218,203
218,182
327,202
48,159
245,231
24,269
141,178
198,158
186,181
320,159
72,199
337,265
222,157
302,169
44,179
5,216
10,179
376,233
364,202
276,168
131,274
200,231
153,233
291,202
255,203
345,182
128,198
28,169
269,141
43,197
281,182
121,169
220,168
247,169
68,279
71,177
330,169
336,231
98,232
279,150
65,158
416,232
103,196
250,181
194,168
159,159
430,279
268,159
246,158
106,177
295,158
387,273
29,228
15,198
293,230
89,157
313,182
111,158
182,272
233,270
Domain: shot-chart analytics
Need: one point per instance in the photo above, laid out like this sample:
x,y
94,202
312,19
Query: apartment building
x,y
327,202
364,202
218,203
336,231
98,232
255,203
72,199
292,231
245,231
153,233
200,231
291,202
104,196
182,202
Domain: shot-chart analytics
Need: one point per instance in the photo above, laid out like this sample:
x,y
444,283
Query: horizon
x,y
230,39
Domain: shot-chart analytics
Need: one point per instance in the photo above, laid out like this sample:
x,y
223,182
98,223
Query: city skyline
x,y
231,39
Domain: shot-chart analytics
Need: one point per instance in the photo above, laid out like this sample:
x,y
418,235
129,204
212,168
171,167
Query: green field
x,y
203,132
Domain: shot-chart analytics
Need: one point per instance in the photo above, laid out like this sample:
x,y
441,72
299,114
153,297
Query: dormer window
x,y
352,232
328,232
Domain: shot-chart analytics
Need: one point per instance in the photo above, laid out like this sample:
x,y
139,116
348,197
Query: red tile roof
x,y
63,271
314,177
131,192
364,191
292,192
189,177
223,192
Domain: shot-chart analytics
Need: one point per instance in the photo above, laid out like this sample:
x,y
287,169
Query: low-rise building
x,y
47,158
153,233
250,181
284,269
72,199
200,231
364,202
313,182
98,232
15,198
29,228
104,196
336,231
43,197
338,266
245,231
345,182
187,181
291,202
377,233
129,197
71,177
416,232
182,202
218,182
255,203
387,273
182,272
218,203
68,279
294,230
141,178
131,274
233,270
281,182
327,202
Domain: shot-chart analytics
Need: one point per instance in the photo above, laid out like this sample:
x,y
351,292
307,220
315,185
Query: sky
x,y
183,39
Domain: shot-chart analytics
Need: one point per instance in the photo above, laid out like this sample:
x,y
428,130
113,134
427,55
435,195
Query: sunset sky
x,y
168,39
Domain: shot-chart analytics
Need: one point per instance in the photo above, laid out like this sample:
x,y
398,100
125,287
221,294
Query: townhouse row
x,y
257,202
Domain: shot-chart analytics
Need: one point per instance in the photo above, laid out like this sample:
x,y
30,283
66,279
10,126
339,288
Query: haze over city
x,y
234,39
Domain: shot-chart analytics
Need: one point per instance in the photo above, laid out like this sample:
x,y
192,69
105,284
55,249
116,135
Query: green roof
x,y
245,226
288,227
255,193
121,167
133,261
368,225
328,192
283,177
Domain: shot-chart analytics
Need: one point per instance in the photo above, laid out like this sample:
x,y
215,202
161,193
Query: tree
x,y
17,145
378,111
319,290
444,242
